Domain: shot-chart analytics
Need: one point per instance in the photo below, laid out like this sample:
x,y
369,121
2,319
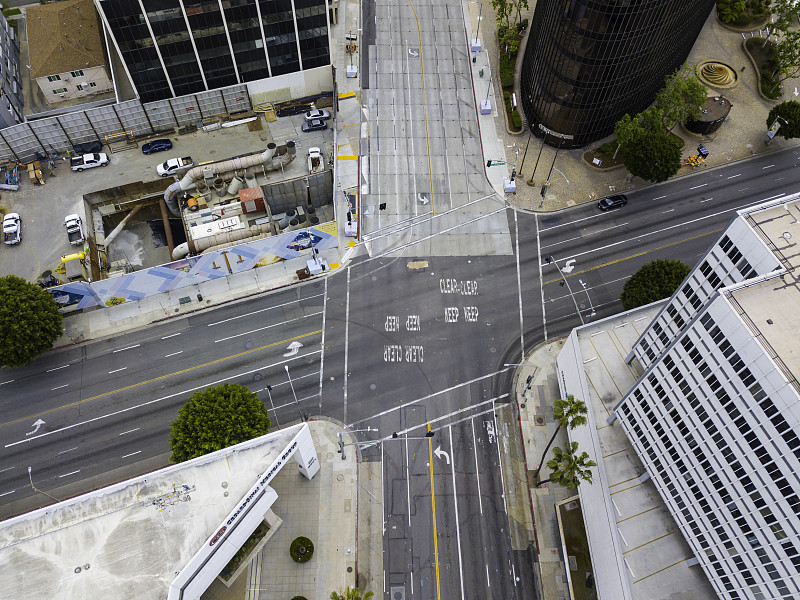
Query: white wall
x,y
96,75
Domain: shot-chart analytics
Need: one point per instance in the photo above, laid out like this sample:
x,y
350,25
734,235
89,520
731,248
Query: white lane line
x,y
230,337
255,312
541,280
767,167
698,186
173,354
429,396
7,469
408,483
128,348
322,343
500,460
346,341
663,212
56,368
706,200
659,197
7,493
156,400
455,503
68,474
65,451
132,454
488,584
735,176
477,470
59,387
408,430
130,431
9,381
664,229
169,336
117,370
586,235
519,299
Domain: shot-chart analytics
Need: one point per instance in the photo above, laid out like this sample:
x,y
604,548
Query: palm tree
x,y
569,413
568,468
349,593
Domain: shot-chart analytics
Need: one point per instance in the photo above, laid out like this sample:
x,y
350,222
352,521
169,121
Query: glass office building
x,y
176,47
588,62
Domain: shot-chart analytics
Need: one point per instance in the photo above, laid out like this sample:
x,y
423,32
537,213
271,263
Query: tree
x,y
216,418
503,9
569,413
654,281
786,14
681,98
788,114
569,468
349,593
654,157
785,57
30,321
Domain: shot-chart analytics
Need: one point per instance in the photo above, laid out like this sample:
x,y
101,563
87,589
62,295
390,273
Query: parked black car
x,y
314,125
156,146
615,201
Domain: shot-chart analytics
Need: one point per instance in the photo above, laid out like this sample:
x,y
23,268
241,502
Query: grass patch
x,y
10,12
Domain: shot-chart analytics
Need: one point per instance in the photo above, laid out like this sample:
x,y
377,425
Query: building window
x,y
60,91
76,73
54,78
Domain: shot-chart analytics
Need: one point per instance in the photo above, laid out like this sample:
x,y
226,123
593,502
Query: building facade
x,y
172,48
589,62
11,100
715,417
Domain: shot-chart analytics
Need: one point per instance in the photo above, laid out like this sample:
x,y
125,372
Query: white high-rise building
x,y
715,417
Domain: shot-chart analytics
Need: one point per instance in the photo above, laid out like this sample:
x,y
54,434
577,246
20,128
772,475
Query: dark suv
x,y
615,201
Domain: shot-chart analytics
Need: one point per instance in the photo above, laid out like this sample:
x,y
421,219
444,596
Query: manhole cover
x,y
340,477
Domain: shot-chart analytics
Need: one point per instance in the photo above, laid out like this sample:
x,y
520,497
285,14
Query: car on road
x,y
156,146
317,114
615,201
314,125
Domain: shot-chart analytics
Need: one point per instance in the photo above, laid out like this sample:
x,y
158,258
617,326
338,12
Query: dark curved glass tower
x,y
588,62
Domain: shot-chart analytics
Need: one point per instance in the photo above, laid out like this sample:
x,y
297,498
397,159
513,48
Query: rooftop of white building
x,y
130,540
637,550
771,304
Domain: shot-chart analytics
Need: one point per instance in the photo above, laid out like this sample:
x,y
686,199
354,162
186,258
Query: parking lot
x,y
42,208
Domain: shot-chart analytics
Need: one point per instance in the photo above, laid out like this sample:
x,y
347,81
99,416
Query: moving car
x,y
314,125
156,146
317,114
615,201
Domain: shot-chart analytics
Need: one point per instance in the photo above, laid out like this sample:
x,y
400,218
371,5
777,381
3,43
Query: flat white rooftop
x,y
131,540
637,550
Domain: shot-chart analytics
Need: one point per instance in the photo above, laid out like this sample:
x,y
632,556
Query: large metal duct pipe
x,y
116,231
199,245
195,174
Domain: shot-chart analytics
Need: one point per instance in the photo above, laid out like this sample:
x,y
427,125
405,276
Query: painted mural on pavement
x,y
193,270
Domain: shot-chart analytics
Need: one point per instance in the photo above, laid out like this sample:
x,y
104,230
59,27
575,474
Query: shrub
x,y
516,119
653,281
522,26
299,598
301,550
507,66
609,147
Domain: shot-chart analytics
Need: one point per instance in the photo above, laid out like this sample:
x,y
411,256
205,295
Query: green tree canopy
x,y
654,281
349,593
785,60
788,114
570,468
30,322
655,156
216,418
681,98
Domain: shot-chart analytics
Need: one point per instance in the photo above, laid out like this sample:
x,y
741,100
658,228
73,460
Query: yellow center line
x,y
433,505
159,378
637,255
425,109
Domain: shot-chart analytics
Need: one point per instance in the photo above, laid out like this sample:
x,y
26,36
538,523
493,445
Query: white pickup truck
x,y
12,229
316,163
173,165
74,230
88,161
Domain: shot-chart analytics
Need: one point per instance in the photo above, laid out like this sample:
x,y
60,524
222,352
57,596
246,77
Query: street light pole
x,y
342,444
303,416
588,297
35,489
549,259
272,404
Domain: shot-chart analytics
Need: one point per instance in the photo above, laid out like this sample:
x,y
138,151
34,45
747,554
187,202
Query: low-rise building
x,y
67,58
